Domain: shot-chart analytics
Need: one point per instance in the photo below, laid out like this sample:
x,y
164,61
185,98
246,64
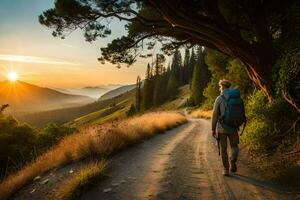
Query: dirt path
x,y
180,164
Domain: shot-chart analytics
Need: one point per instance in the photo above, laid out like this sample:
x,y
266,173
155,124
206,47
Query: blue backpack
x,y
234,114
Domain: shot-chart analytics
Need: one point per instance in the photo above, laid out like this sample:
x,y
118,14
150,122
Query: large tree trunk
x,y
257,58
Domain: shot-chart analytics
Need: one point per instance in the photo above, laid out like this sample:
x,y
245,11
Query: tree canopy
x,y
260,33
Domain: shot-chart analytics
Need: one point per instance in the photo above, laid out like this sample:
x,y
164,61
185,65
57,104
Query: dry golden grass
x,y
199,113
86,176
105,141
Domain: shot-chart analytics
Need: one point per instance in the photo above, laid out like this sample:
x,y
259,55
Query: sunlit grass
x,y
86,176
104,141
200,113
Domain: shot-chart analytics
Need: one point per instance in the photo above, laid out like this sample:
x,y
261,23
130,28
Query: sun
x,y
12,76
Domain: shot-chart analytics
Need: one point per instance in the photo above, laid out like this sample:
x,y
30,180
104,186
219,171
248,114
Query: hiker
x,y
228,115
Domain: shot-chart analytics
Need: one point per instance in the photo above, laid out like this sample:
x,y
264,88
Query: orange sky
x,y
29,49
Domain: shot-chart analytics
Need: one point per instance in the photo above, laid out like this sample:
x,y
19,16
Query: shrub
x,y
268,123
16,142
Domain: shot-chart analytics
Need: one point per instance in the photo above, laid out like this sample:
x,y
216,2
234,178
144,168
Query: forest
x,y
254,44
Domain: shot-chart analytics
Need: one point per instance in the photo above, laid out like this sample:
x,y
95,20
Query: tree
x,y
186,66
158,93
258,33
196,95
147,99
201,77
205,75
176,66
138,97
172,87
192,64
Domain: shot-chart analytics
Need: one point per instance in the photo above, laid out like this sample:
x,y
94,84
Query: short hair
x,y
225,83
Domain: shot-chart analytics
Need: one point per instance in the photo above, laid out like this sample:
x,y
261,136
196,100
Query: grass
x,y
200,113
102,116
85,177
103,141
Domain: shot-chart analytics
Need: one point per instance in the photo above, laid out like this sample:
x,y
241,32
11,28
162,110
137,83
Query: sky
x,y
29,49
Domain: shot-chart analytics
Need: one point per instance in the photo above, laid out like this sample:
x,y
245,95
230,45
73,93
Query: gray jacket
x,y
219,108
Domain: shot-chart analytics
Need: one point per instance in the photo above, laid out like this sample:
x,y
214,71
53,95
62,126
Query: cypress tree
x,y
186,66
157,93
195,87
201,76
172,87
176,65
138,93
147,100
192,64
205,74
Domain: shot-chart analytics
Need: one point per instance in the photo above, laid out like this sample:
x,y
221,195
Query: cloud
x,y
33,59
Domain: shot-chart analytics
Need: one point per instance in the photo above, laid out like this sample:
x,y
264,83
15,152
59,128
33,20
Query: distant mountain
x,y
116,92
91,91
25,97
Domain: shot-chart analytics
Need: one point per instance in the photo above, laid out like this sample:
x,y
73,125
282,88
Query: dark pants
x,y
234,141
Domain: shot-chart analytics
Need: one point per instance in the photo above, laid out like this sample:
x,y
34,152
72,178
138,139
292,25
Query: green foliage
x,y
173,85
237,74
201,77
267,128
16,140
51,134
224,67
138,93
20,142
147,99
197,94
158,96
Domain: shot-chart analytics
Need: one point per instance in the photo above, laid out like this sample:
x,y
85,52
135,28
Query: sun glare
x,y
12,76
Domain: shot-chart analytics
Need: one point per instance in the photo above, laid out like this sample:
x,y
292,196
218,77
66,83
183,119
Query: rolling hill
x,y
96,112
91,91
116,92
25,97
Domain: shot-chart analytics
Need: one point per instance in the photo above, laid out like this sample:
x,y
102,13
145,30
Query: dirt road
x,y
180,164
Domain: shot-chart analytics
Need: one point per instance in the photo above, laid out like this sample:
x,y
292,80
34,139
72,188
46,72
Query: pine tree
x,y
205,74
147,100
158,90
138,93
195,86
201,77
192,64
186,66
176,65
173,85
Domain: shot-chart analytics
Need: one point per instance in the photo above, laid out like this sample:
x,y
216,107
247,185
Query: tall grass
x,y
200,113
103,141
86,176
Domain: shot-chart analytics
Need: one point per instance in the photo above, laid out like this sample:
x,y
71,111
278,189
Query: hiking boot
x,y
226,172
233,167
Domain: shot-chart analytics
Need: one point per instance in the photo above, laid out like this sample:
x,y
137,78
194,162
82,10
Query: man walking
x,y
228,115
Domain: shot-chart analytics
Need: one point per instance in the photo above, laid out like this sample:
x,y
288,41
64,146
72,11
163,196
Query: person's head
x,y
224,84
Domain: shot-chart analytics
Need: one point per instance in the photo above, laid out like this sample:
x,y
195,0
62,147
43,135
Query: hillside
x,y
179,100
116,92
25,97
78,116
94,92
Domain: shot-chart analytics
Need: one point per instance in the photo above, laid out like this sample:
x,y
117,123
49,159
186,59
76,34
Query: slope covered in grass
x,y
179,100
103,141
61,116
